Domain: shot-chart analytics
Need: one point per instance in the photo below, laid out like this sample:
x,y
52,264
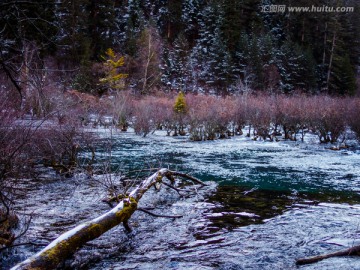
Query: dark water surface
x,y
267,204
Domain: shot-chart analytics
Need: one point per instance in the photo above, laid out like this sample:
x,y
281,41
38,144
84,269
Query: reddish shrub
x,y
152,113
328,118
292,116
119,107
260,116
210,117
354,117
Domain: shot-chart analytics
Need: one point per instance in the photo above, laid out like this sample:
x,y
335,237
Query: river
x,y
267,204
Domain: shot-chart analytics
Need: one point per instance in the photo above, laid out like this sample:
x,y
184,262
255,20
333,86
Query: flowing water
x,y
267,204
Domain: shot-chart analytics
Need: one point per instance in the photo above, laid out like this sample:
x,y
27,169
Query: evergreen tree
x,y
169,18
293,65
209,44
75,44
190,16
242,54
254,55
180,106
176,72
343,81
113,63
210,53
134,24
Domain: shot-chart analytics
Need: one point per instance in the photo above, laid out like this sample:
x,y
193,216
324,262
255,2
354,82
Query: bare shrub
x,y
85,106
241,115
226,117
210,117
116,109
59,148
260,114
292,117
354,117
16,140
26,145
163,114
149,114
196,117
328,118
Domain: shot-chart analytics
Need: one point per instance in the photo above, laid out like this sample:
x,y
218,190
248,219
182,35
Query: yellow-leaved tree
x,y
114,78
180,109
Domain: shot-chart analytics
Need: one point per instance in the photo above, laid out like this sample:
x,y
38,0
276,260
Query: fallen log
x,y
68,243
354,251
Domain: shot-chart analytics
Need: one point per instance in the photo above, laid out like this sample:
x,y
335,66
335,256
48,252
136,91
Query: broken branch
x,y
354,251
157,215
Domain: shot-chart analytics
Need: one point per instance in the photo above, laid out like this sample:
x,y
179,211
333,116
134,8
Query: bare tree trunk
x,y
303,31
330,61
67,244
325,39
354,251
150,55
28,54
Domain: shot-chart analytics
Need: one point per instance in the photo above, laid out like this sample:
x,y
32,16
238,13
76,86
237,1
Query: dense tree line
x,y
214,46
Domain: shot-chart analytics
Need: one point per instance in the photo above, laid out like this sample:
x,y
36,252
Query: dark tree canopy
x,y
205,45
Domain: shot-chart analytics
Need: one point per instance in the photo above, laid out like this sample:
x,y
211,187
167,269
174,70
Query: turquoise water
x,y
282,166
267,204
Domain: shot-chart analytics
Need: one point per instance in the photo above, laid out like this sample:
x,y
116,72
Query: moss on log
x,y
68,243
64,246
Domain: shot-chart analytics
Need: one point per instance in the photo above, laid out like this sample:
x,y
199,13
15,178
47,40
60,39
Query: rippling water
x,y
272,202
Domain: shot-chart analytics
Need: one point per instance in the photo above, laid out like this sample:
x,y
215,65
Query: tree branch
x,y
354,251
12,79
157,215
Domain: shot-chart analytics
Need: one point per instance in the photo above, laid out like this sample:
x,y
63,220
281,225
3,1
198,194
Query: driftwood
x,y
354,251
67,244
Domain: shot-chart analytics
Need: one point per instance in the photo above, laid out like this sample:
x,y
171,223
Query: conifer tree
x,y
133,24
210,53
180,106
180,109
176,72
343,81
190,16
114,79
